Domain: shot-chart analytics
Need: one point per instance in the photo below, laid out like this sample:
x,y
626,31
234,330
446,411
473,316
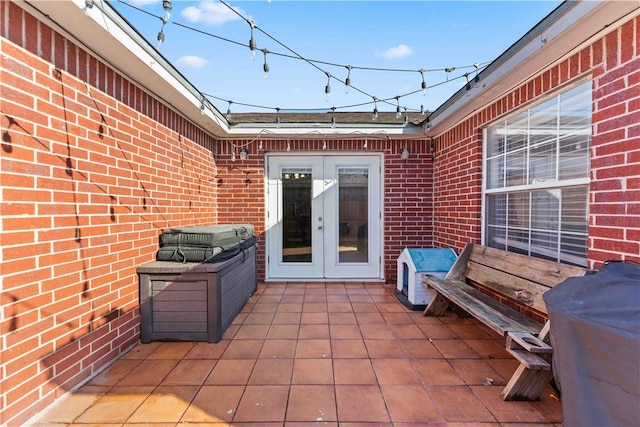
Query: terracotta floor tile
x,y
335,289
339,307
148,372
116,406
375,331
243,349
292,299
508,412
262,404
410,403
459,404
206,350
283,332
362,298
356,424
267,299
407,332
436,371
348,349
213,404
353,371
312,371
74,405
265,307
231,372
318,299
489,349
420,349
313,349
313,331
252,332
114,373
285,318
370,318
278,349
171,350
142,351
477,372
394,371
384,349
259,319
387,307
367,307
166,404
189,372
362,403
312,403
271,372
314,318
437,331
341,331
469,331
342,318
454,349
550,405
341,298
399,318
505,367
314,307
230,332
291,307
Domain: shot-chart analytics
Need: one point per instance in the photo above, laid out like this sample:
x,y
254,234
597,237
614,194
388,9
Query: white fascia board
x,y
105,34
578,26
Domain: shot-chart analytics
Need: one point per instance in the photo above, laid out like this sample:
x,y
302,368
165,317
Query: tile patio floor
x,y
334,354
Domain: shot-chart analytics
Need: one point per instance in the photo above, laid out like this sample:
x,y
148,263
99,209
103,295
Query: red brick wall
x,y
407,189
614,231
93,169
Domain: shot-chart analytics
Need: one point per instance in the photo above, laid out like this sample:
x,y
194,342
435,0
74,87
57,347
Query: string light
x,y
252,42
374,116
366,143
327,88
202,106
333,117
228,115
422,110
406,116
88,5
398,112
265,66
166,5
288,146
423,85
324,144
277,117
347,81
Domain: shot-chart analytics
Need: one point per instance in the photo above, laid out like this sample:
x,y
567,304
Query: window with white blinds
x,y
537,179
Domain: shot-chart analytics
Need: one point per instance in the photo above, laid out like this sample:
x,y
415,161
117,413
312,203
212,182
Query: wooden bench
x,y
520,278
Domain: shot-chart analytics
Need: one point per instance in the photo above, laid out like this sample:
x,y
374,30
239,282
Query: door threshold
x,y
364,280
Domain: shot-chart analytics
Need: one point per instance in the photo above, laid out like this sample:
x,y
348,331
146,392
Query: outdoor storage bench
x,y
513,277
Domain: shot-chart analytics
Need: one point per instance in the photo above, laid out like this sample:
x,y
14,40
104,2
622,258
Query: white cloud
x,y
397,52
190,61
210,13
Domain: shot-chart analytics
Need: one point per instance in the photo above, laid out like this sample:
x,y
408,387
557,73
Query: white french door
x,y
324,217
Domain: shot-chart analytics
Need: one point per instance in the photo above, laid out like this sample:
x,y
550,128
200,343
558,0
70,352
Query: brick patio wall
x,y
93,168
407,193
614,199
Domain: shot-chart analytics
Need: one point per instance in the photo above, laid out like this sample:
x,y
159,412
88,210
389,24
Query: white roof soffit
x,y
106,34
111,38
569,28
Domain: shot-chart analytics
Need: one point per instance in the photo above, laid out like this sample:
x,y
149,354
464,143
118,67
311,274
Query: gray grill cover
x,y
595,333
212,236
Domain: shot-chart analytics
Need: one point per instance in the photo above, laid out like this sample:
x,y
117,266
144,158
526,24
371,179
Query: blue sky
x,y
208,43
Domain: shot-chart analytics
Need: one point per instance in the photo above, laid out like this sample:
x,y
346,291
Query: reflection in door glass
x,y
353,215
296,214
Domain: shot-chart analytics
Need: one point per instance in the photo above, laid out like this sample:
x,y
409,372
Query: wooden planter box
x,y
194,301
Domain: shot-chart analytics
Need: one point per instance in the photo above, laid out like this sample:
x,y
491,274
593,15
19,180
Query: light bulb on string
x,y
374,116
166,5
88,5
160,36
406,116
347,81
398,112
422,110
333,117
423,85
228,115
265,66
252,42
277,117
327,88
202,106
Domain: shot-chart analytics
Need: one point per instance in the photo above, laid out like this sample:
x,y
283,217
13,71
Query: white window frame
x,y
543,185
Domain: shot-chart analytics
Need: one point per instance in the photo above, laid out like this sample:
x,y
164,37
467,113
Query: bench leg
x,y
526,384
437,306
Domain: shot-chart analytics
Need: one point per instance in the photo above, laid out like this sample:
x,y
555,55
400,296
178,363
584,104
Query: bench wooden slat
x,y
545,272
530,360
491,312
526,291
